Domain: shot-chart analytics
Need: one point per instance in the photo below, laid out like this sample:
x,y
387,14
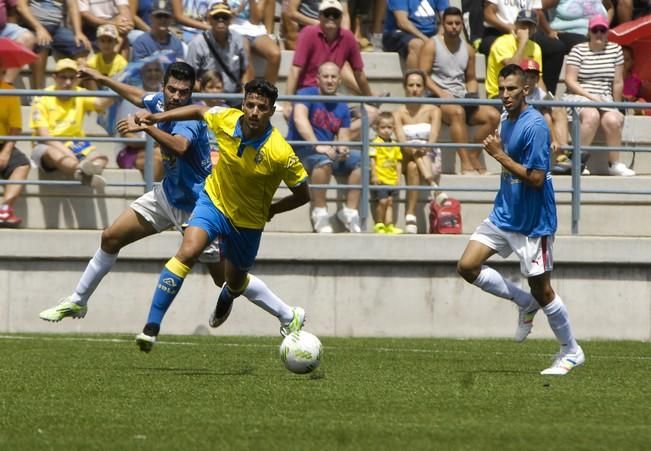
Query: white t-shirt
x,y
507,10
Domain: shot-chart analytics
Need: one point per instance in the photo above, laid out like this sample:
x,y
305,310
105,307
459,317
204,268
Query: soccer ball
x,y
300,352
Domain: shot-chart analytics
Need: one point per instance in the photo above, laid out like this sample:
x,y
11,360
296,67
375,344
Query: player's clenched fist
x,y
493,144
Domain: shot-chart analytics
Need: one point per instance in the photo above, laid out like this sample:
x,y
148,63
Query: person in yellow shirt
x,y
108,61
236,203
64,116
14,165
386,167
513,48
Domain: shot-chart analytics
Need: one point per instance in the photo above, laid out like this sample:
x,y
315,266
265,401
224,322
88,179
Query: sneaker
x,y
564,363
390,229
376,40
221,312
88,167
145,342
295,324
411,225
321,220
618,168
66,308
8,218
525,324
379,228
350,218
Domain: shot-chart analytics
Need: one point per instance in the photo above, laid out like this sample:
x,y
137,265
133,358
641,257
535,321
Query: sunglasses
x,y
221,17
599,30
333,14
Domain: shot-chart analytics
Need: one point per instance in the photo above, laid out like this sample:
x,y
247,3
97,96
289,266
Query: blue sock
x,y
169,284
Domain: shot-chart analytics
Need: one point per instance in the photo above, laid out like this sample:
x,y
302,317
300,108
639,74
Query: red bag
x,y
445,218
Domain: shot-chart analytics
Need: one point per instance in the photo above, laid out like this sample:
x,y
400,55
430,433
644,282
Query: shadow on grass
x,y
247,371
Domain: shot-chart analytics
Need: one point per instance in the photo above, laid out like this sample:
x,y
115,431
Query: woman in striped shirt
x,y
595,72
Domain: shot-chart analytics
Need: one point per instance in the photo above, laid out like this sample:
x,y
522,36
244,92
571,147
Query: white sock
x,y
559,321
493,282
258,293
97,268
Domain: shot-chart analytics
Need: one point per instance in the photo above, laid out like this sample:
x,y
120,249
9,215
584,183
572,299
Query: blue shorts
x,y
63,42
238,245
311,159
12,31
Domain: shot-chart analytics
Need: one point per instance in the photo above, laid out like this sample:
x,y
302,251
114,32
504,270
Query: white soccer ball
x,y
301,352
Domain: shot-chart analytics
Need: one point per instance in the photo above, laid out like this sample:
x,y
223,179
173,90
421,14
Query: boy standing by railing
x,y
386,168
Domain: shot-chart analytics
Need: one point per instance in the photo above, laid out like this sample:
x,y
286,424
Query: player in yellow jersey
x,y
235,206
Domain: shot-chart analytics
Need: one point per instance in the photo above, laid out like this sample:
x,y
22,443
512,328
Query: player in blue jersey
x,y
186,161
235,205
523,221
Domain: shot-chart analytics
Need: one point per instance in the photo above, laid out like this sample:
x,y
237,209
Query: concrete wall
x,y
364,285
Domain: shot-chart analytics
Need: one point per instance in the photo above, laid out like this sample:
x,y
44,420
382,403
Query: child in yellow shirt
x,y
386,168
107,61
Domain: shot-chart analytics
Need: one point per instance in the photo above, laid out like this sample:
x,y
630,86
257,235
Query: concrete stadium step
x,y
604,214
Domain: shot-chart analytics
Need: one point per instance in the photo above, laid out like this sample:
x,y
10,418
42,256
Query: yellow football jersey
x,y
386,162
62,117
243,182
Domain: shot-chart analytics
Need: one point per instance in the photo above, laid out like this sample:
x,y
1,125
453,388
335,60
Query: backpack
x,y
445,218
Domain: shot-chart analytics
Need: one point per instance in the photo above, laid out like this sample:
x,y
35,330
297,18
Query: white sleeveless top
x,y
417,133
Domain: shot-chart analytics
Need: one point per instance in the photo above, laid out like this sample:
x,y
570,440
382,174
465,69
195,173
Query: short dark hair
x,y
410,72
263,88
512,69
452,11
210,75
181,71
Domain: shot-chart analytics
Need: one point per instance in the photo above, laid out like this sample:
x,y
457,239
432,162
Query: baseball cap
x,y
331,4
66,64
161,7
530,65
598,21
527,15
108,29
220,7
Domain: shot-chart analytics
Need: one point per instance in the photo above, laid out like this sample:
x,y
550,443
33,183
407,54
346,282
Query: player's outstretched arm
x,y
183,113
132,94
300,196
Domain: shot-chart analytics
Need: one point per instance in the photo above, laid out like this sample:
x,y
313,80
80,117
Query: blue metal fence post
x,y
576,171
149,163
366,164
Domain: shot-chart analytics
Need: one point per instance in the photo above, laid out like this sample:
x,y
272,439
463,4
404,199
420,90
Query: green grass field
x,y
91,392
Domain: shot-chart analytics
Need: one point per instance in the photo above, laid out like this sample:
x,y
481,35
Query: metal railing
x,y
364,142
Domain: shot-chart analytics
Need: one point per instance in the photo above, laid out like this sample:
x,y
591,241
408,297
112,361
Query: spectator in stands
x,y
64,116
327,121
159,36
633,84
141,13
115,12
14,32
408,25
475,12
377,24
48,20
191,16
500,18
247,21
329,42
595,71
222,50
107,61
569,19
513,48
14,165
450,62
386,167
296,14
418,124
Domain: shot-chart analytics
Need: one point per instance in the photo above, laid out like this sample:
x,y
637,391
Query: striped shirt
x,y
596,69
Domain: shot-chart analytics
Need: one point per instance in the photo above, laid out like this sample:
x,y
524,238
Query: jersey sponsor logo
x,y
292,161
259,156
